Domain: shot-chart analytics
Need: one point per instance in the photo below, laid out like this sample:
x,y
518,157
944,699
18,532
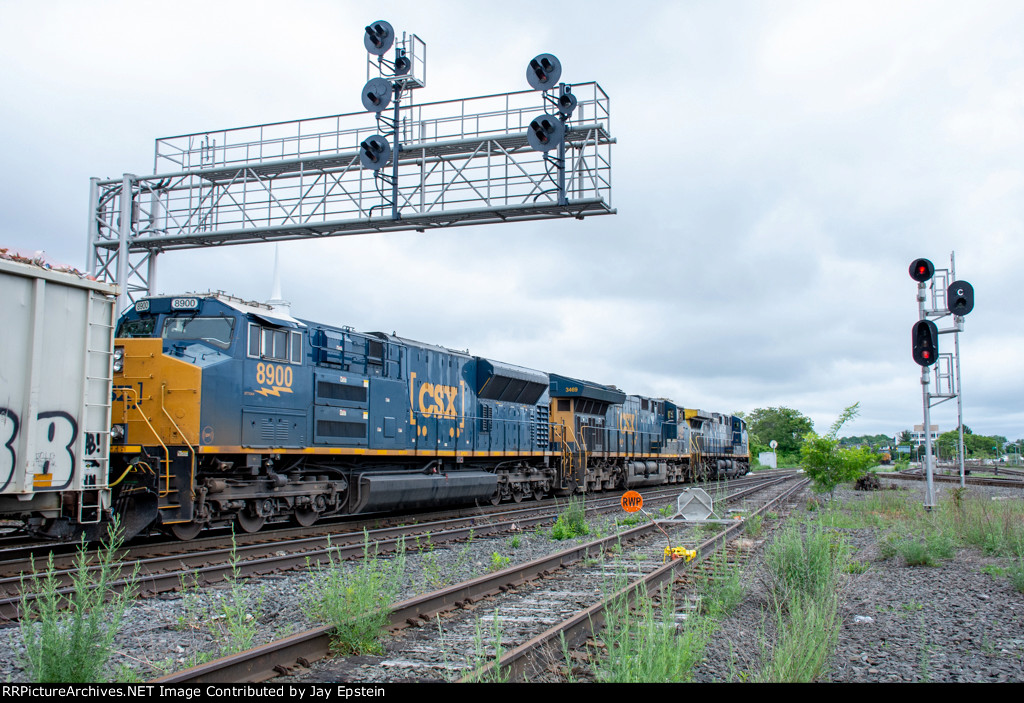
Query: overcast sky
x,y
778,167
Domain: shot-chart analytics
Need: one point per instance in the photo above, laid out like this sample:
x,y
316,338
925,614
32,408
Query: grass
x,y
355,601
481,658
804,561
723,590
925,549
69,638
644,644
572,522
754,526
804,565
807,630
239,611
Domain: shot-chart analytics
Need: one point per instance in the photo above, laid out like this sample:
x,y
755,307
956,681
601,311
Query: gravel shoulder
x,y
947,623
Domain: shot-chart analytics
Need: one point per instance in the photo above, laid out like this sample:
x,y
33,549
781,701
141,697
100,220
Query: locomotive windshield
x,y
213,330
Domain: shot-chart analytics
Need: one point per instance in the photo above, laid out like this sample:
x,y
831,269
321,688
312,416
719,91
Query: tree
x,y
785,425
826,463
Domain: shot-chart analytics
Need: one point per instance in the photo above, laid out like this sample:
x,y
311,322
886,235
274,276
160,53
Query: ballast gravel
x,y
948,623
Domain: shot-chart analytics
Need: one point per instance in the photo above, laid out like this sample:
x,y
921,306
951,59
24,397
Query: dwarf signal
x,y
960,297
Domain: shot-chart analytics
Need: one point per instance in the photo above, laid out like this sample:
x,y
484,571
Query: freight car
x,y
232,412
55,359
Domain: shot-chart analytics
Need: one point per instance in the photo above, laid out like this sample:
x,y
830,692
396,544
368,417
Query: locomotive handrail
x,y
167,452
192,468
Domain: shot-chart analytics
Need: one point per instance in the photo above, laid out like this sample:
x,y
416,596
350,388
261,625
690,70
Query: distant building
x,y
917,436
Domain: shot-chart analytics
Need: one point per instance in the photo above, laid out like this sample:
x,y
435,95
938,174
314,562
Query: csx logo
x,y
627,422
437,400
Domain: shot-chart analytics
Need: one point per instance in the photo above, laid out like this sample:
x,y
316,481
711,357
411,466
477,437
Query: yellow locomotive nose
x,y
156,398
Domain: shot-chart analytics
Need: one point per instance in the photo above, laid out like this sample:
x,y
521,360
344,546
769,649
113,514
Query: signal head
x,y
566,102
545,132
922,270
374,152
960,297
402,64
924,337
379,37
377,94
543,71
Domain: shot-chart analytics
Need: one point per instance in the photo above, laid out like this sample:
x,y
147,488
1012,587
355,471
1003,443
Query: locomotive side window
x,y
214,330
274,344
137,328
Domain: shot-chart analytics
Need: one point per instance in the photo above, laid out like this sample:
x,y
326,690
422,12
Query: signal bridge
x,y
454,163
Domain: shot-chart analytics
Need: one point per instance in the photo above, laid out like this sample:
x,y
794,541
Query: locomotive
x,y
227,411
206,410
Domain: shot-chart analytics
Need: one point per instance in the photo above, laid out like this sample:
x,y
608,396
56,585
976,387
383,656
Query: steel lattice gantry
x,y
462,162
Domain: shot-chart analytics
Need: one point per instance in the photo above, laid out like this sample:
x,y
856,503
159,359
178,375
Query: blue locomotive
x,y
232,411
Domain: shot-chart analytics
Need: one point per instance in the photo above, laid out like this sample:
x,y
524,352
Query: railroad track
x,y
562,595
165,567
918,475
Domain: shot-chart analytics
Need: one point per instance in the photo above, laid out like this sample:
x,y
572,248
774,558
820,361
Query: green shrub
x,y
572,522
69,638
499,562
356,602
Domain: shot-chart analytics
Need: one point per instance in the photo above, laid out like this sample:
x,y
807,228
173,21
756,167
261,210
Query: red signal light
x,y
921,270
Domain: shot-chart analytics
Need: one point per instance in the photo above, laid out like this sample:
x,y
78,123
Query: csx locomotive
x,y
227,411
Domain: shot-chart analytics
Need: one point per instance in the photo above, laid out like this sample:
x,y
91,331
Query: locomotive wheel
x,y
496,498
186,531
306,516
517,495
250,523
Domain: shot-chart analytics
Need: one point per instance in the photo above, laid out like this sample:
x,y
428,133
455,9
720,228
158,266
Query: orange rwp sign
x,y
632,501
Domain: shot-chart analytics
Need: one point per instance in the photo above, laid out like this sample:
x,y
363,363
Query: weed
x,y
572,521
722,591
494,673
355,601
993,570
925,653
239,611
432,573
1016,573
499,562
629,520
69,638
855,567
807,632
515,542
754,526
924,550
804,561
644,645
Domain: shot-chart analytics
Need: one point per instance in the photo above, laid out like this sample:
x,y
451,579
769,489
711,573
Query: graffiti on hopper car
x,y
53,459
